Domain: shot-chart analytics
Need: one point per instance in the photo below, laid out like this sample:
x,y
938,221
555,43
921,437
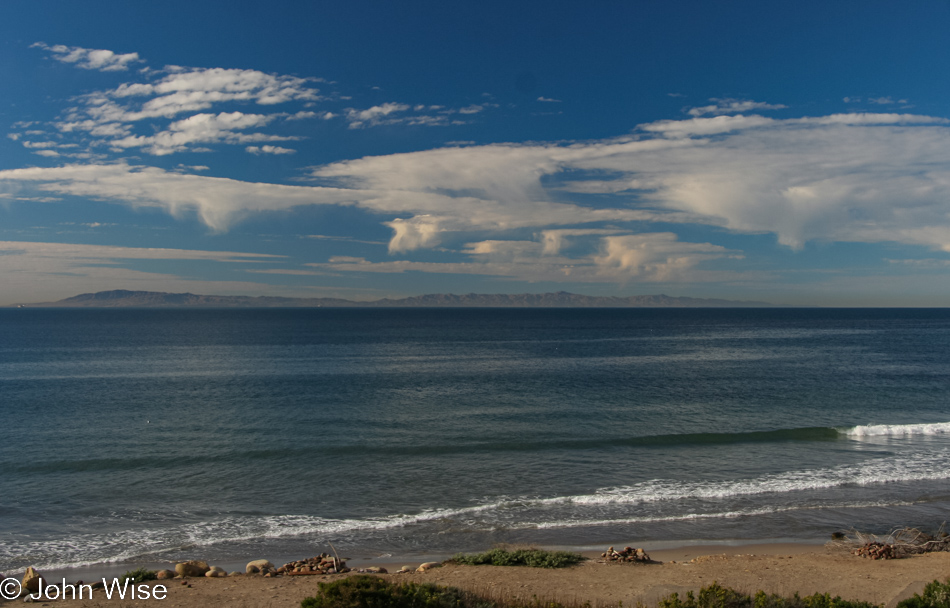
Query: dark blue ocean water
x,y
153,435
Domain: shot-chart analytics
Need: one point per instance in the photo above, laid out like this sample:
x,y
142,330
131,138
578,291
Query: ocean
x,y
140,436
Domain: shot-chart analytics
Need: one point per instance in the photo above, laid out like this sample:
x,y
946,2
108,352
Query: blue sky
x,y
797,153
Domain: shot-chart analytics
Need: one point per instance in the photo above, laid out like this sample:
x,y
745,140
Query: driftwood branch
x,y
901,542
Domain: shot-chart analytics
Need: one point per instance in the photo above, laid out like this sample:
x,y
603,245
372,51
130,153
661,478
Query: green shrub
x,y
374,592
534,558
138,576
936,595
717,596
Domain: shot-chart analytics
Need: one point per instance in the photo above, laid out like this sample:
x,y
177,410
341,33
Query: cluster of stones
x,y
627,554
876,550
196,568
321,564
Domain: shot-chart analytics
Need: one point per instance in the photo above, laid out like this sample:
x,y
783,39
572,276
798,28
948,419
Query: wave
x,y
898,430
645,441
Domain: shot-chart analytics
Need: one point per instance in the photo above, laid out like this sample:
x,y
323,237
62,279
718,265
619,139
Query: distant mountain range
x,y
154,299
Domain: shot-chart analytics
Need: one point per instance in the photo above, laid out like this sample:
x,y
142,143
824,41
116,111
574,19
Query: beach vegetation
x,y
936,595
139,575
534,558
717,596
374,592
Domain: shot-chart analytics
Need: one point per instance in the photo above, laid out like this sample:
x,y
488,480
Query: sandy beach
x,y
775,568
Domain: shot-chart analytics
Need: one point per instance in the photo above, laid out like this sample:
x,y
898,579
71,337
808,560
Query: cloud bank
x,y
603,210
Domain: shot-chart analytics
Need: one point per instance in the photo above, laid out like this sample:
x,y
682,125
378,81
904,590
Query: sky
x,y
794,153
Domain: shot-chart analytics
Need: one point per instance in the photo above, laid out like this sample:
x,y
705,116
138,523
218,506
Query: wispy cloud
x,y
49,271
733,106
217,202
202,128
90,59
374,115
177,109
147,112
258,150
393,113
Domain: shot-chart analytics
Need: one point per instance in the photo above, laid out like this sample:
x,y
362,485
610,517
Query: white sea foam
x,y
915,467
149,542
577,523
898,430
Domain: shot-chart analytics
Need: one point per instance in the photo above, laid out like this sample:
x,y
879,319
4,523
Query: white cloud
x,y
137,114
392,113
218,202
258,150
415,233
866,118
706,126
925,263
548,100
39,144
845,177
374,115
90,59
554,240
734,106
644,257
193,89
659,256
108,254
201,128
884,101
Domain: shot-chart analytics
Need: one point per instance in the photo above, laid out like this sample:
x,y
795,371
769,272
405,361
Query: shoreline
x,y
784,568
660,550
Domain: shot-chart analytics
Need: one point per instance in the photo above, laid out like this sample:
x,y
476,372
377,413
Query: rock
x,y
192,568
876,550
628,554
166,574
428,566
321,564
216,572
259,566
31,580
